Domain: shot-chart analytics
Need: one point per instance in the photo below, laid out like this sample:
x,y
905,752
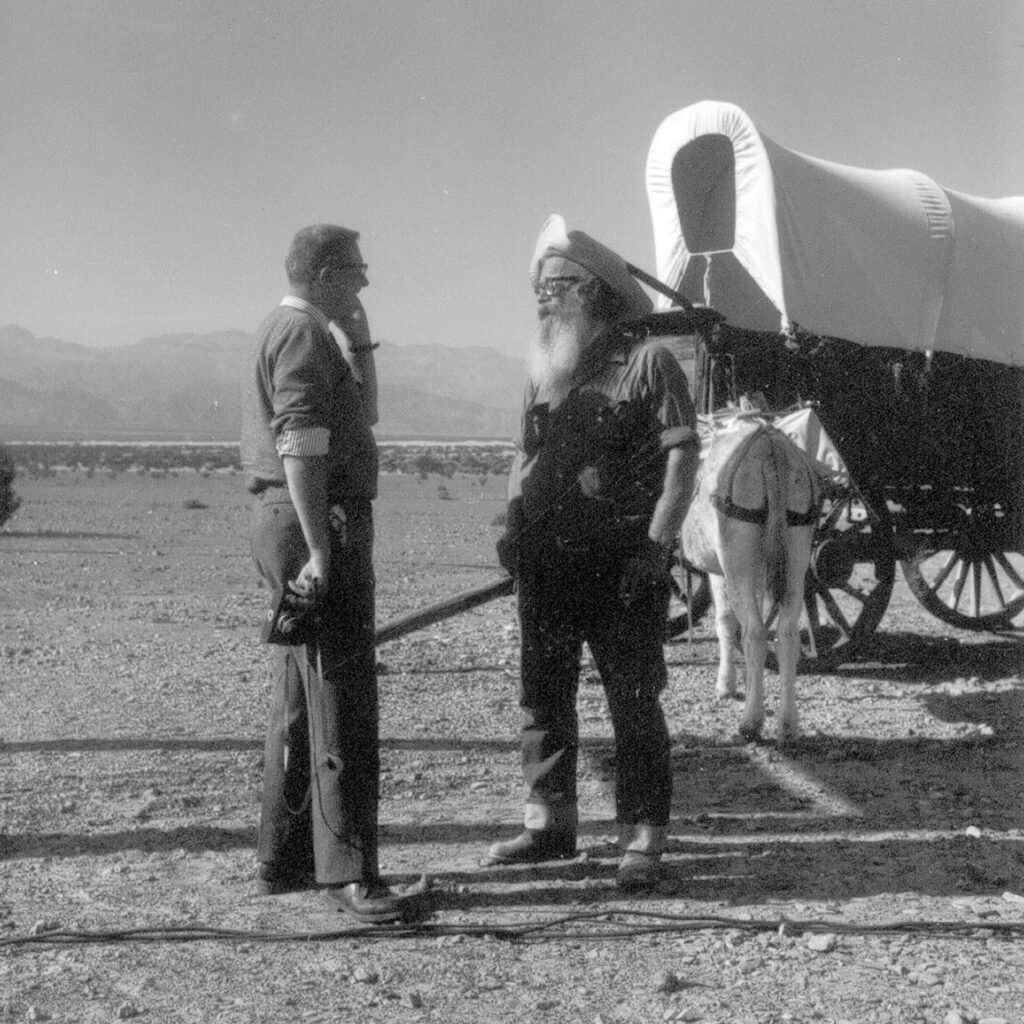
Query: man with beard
x,y
597,493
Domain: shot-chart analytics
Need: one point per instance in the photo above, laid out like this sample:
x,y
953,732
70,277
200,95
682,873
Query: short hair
x,y
314,247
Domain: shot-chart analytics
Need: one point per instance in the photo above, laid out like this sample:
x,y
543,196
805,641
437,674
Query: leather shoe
x,y
533,846
274,883
638,871
366,902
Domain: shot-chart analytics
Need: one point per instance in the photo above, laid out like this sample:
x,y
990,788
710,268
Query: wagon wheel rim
x,y
850,580
966,582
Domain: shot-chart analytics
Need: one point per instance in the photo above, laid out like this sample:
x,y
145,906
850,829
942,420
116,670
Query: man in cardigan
x,y
311,462
603,475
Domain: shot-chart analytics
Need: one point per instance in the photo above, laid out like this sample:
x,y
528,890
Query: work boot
x,y
639,868
533,846
367,902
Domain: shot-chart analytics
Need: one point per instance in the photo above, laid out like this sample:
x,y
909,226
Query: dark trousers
x,y
321,759
564,600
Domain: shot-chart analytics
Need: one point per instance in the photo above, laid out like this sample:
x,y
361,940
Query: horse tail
x,y
776,536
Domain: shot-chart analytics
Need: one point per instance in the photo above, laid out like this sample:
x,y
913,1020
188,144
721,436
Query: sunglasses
x,y
553,287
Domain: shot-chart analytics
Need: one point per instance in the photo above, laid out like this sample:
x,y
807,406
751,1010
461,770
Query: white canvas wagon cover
x,y
772,238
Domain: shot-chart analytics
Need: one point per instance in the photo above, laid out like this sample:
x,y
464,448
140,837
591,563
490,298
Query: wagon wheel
x,y
690,598
849,582
961,579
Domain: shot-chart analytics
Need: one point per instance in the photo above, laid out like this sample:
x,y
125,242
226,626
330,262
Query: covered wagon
x,y
894,308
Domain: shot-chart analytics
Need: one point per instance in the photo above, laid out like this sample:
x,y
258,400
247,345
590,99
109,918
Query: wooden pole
x,y
443,610
659,286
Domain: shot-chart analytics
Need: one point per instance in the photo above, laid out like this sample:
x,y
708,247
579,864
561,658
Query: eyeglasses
x,y
347,268
553,287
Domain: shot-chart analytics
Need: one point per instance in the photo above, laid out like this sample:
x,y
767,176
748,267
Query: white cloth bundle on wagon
x,y
776,241
801,426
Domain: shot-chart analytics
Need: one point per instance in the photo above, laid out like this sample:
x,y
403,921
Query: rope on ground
x,y
581,926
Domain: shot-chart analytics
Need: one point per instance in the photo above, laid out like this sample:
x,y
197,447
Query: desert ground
x,y
873,872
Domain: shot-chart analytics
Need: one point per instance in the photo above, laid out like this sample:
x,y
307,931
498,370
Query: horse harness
x,y
760,515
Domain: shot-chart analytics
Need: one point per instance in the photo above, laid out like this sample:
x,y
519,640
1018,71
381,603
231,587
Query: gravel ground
x,y
874,872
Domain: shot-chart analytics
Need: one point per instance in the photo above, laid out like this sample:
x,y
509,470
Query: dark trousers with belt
x,y
321,759
566,598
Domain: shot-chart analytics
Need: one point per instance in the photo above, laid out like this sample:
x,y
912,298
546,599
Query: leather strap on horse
x,y
747,515
760,515
808,518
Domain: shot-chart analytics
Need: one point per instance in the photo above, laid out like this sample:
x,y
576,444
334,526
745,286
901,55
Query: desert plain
x,y
872,872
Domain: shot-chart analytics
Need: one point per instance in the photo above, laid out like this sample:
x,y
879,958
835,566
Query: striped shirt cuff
x,y
304,441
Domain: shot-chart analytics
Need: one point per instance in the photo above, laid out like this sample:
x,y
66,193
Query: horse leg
x,y
743,562
787,645
726,629
755,647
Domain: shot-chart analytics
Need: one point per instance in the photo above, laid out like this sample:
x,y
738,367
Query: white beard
x,y
555,351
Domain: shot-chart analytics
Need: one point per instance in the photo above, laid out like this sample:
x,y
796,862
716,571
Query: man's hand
x,y
645,571
295,617
508,552
509,543
312,578
356,328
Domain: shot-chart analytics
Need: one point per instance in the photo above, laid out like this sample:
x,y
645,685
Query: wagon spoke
x,y
690,599
829,522
983,591
810,616
961,582
811,605
857,593
811,611
1009,569
993,576
943,574
835,613
976,580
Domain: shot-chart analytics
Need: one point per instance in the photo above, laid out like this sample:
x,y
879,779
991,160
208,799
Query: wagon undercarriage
x,y
936,458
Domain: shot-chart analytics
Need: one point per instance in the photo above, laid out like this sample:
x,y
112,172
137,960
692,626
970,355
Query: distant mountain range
x,y
187,387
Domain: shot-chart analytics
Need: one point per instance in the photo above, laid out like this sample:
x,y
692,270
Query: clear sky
x,y
158,155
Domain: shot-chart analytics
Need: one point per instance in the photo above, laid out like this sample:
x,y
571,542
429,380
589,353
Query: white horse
x,y
750,526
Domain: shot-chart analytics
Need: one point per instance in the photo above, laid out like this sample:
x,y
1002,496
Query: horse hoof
x,y
751,733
